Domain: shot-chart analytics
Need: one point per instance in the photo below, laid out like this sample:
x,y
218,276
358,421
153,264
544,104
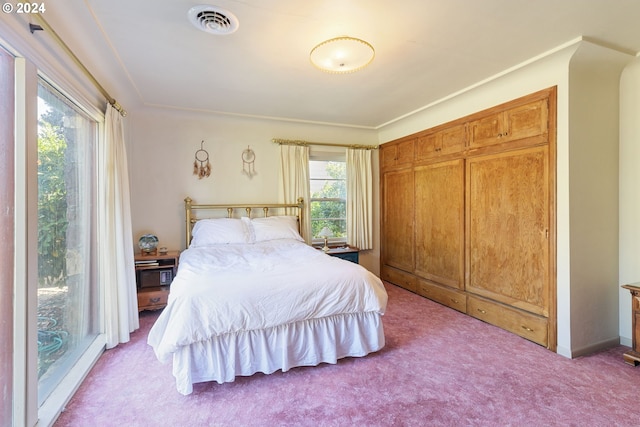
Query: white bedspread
x,y
242,287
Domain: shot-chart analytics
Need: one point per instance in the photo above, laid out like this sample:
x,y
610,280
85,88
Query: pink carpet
x,y
439,368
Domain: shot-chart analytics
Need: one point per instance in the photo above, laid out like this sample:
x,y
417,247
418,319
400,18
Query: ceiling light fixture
x,y
342,55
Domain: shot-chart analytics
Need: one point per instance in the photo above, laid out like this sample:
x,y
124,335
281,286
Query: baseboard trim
x,y
593,348
626,341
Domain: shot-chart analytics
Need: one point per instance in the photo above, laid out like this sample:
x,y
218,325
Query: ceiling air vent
x,y
212,19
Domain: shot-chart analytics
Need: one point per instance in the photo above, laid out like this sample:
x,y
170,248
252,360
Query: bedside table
x,y
348,253
154,274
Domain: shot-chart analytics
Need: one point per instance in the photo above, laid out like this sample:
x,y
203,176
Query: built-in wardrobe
x,y
468,215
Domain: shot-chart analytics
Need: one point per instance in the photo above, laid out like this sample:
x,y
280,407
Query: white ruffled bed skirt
x,y
307,343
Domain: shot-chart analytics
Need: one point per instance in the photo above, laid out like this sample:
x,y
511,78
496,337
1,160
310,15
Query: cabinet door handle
x,y
482,311
154,300
455,301
527,328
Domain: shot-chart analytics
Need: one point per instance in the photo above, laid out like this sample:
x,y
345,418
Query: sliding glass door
x,y
67,281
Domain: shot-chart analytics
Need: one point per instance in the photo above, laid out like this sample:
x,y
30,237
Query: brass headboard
x,y
190,207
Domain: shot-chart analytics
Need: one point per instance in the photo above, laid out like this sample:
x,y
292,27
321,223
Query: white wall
x,y
161,150
594,76
629,192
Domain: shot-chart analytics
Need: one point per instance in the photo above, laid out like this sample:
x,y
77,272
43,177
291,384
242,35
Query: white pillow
x,y
219,231
275,227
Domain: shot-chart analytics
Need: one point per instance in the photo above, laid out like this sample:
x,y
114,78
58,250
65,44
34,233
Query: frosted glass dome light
x,y
342,55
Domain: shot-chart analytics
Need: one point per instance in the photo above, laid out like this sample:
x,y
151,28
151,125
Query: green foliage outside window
x,y
328,205
52,201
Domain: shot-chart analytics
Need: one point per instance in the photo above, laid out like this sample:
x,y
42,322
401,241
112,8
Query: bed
x,y
251,296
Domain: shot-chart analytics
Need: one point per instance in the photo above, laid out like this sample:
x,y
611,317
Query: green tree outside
x,y
328,206
52,204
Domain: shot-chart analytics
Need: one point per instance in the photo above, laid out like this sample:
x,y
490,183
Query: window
x,y
328,189
67,284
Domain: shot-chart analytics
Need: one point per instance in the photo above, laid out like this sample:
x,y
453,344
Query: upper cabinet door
x,y
486,131
527,120
515,124
453,139
427,146
397,154
388,153
440,143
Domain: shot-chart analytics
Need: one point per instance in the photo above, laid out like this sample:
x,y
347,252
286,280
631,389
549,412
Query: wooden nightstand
x,y
154,274
348,253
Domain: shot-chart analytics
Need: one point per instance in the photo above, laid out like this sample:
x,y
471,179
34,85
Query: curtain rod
x,y
326,144
45,26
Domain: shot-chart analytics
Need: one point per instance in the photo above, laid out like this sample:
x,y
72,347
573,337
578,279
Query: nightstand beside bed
x,y
154,274
348,253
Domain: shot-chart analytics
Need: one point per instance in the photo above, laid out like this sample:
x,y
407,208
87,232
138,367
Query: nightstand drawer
x,y
153,299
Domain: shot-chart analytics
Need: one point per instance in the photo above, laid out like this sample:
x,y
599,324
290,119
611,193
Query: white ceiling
x,y
147,53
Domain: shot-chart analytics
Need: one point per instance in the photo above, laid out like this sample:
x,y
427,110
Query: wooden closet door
x,y
508,228
397,219
439,213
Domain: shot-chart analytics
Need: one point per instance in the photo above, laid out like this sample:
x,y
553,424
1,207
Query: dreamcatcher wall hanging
x,y
248,159
201,165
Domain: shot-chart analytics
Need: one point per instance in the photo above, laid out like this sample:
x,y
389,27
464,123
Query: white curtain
x,y
117,269
294,181
359,198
